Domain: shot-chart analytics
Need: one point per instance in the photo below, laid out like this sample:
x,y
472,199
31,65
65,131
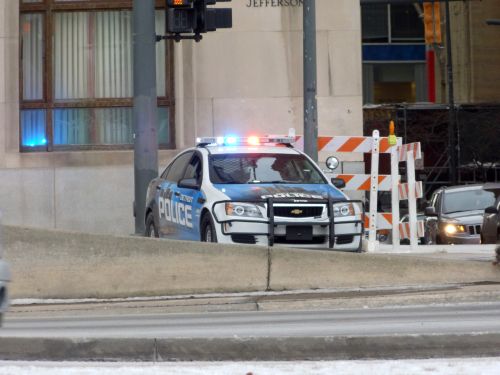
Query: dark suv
x,y
455,214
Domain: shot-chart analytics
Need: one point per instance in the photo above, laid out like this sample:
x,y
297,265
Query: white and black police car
x,y
253,190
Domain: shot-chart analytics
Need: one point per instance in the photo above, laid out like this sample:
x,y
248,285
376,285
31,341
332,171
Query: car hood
x,y
466,217
296,192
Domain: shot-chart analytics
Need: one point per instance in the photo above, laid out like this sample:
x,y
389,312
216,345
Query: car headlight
x,y
242,209
343,209
450,228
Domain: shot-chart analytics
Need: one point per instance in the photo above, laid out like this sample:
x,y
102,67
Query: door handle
x,y
158,187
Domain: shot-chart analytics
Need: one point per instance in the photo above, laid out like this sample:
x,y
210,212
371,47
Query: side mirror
x,y
338,183
491,210
189,183
332,163
430,211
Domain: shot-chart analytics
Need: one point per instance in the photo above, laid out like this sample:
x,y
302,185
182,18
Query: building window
x,y
393,54
385,23
394,83
76,75
406,25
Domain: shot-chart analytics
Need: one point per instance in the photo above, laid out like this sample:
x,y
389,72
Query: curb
x,y
248,349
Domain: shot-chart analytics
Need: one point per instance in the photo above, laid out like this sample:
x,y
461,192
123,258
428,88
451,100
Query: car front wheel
x,y
208,233
151,230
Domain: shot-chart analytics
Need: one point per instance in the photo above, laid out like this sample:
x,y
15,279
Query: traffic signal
x,y
210,19
180,16
432,22
194,16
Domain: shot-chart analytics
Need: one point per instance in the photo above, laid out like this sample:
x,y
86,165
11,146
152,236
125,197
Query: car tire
x,y
151,229
208,233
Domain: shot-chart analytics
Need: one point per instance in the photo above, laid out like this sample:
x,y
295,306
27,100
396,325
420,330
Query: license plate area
x,y
299,233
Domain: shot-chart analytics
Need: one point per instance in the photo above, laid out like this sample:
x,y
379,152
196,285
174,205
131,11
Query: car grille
x,y
294,211
474,229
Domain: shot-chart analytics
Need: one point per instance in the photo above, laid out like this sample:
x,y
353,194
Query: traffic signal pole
x,y
310,81
452,134
145,111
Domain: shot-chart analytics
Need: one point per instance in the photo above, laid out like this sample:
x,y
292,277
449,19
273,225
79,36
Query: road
x,y
432,319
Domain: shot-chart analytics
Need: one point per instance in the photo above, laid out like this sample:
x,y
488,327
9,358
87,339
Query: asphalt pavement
x,y
411,322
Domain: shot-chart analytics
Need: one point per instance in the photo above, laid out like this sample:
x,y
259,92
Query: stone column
x,y
9,78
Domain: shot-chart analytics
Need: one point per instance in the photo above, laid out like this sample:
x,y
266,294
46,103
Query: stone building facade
x,y
64,163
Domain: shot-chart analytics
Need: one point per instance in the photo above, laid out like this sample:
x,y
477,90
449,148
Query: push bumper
x,y
327,231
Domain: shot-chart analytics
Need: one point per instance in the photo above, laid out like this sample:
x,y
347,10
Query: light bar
x,y
231,140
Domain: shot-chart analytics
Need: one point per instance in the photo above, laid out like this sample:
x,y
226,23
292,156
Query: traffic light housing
x,y
196,17
180,16
432,22
211,19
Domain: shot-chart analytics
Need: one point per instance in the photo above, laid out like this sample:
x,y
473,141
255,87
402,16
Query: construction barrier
x,y
346,143
411,190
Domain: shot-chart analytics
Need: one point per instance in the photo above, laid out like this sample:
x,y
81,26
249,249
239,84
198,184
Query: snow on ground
x,y
458,366
36,301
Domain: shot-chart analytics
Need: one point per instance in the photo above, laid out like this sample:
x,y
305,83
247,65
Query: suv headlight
x,y
343,209
451,228
242,209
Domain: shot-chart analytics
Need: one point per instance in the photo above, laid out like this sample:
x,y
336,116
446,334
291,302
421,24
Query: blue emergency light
x,y
232,140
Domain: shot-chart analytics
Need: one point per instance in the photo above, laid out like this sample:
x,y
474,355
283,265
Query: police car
x,y
254,190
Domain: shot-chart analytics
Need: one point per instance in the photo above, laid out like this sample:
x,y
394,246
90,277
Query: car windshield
x,y
468,200
262,169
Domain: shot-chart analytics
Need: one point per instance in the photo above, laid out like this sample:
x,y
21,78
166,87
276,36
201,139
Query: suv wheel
x,y
151,230
208,233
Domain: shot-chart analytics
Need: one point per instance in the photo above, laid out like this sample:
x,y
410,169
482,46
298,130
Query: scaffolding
x,y
478,139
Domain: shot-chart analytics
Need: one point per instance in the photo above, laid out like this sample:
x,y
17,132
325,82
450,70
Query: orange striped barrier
x,y
404,230
404,190
384,220
414,148
344,143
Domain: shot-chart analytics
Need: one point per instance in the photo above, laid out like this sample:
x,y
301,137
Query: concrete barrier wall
x,y
55,264
294,269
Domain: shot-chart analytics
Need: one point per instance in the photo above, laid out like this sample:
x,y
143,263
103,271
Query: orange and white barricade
x,y
357,182
411,190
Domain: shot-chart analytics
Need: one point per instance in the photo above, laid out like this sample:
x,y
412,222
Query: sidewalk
x,y
340,298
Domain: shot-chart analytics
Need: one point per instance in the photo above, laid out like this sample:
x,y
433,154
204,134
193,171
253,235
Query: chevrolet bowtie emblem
x,y
296,211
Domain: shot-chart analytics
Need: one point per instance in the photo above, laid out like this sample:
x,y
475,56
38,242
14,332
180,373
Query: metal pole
x,y
145,111
451,102
310,81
